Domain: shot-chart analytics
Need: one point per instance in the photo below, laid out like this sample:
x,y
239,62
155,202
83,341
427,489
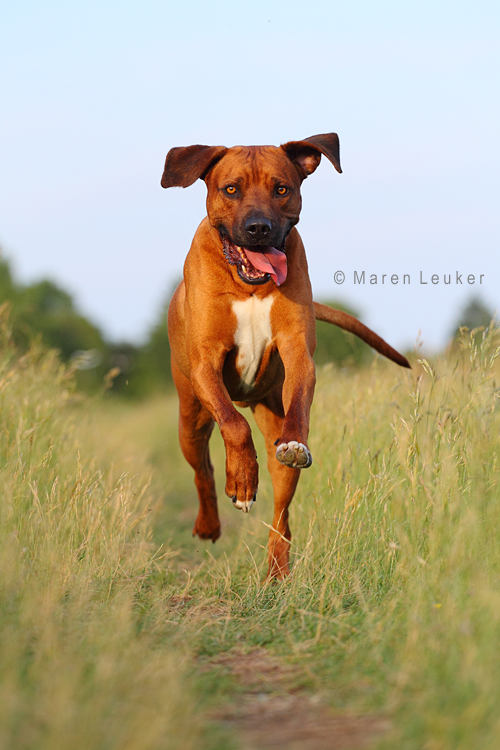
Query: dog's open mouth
x,y
256,266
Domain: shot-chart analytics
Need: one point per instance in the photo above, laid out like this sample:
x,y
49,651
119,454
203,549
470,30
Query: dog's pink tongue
x,y
268,260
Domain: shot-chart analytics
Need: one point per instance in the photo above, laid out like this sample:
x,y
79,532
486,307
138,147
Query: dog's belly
x,y
253,368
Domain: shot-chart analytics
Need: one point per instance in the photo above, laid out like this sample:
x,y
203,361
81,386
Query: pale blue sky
x,y
94,94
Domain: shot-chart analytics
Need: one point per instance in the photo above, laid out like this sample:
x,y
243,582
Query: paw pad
x,y
293,454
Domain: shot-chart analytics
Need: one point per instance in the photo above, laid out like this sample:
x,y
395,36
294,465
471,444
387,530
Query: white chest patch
x,y
252,335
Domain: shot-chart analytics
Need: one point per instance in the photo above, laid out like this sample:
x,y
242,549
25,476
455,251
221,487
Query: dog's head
x,y
253,196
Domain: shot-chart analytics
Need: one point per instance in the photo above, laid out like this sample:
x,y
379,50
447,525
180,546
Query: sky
x,y
94,94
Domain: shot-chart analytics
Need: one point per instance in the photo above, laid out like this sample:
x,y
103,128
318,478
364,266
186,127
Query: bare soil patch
x,y
272,714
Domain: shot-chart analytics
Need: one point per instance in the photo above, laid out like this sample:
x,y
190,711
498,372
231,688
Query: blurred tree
x,y
336,345
475,314
156,353
44,309
124,361
151,370
7,289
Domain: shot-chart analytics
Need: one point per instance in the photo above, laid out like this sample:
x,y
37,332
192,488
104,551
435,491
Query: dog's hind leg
x,y
195,428
269,417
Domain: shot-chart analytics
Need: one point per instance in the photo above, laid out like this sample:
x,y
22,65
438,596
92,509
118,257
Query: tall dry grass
x,y
393,605
75,551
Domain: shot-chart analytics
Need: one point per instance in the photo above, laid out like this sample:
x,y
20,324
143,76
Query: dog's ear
x,y
185,165
306,154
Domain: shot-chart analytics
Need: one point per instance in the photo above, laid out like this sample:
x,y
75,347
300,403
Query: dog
x,y
242,325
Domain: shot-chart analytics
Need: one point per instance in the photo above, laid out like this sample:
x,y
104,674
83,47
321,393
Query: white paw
x,y
293,454
245,505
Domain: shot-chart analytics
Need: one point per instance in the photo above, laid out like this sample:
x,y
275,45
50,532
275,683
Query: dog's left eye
x,y
230,190
282,190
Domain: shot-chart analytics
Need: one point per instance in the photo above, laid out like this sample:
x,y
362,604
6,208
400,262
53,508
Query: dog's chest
x,y
253,333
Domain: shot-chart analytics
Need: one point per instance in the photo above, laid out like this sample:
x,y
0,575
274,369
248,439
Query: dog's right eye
x,y
230,190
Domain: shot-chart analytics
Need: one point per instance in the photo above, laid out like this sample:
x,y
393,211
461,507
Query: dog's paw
x,y
245,505
206,529
293,454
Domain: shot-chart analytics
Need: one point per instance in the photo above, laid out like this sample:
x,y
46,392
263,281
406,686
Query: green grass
x,y
113,618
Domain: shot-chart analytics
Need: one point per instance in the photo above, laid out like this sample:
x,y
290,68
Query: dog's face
x,y
253,201
253,196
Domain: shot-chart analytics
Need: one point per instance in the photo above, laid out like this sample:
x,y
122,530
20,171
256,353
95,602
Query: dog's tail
x,y
353,325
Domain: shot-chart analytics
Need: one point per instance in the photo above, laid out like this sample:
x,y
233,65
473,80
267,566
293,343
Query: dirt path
x,y
270,714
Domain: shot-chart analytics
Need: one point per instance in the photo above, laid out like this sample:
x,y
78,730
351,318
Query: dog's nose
x,y
258,228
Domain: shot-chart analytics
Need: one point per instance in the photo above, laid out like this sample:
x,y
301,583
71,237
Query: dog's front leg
x,y
298,392
241,458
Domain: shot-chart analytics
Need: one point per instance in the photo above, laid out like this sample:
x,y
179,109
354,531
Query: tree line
x,y
45,311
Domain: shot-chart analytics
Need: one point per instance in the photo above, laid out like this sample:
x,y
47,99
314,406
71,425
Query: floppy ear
x,y
185,165
306,154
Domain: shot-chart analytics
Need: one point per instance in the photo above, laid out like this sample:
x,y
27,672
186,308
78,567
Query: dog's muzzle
x,y
256,264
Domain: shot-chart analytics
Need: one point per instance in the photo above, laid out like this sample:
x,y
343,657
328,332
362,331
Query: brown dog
x,y
242,324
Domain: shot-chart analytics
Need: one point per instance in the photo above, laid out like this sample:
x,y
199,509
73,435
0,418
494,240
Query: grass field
x,y
118,630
